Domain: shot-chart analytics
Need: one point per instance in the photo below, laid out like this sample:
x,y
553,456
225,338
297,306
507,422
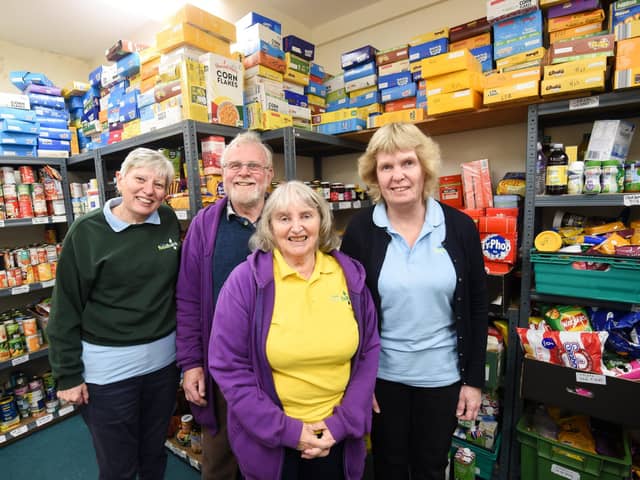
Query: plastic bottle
x,y
584,146
541,170
557,166
575,178
609,177
632,177
591,177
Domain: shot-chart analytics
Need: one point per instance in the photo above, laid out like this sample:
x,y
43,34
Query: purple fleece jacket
x,y
194,303
258,427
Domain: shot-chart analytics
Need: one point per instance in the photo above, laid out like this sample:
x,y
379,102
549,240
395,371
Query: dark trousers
x,y
218,462
330,467
128,421
412,433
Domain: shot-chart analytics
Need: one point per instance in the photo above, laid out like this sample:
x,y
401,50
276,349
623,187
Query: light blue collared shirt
x,y
418,335
106,364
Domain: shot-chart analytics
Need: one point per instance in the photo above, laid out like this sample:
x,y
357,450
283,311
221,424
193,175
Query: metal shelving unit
x,y
541,116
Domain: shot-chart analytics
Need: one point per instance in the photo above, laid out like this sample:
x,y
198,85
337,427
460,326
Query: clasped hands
x,y
315,440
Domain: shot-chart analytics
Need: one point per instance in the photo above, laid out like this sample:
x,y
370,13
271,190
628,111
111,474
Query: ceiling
x,y
84,29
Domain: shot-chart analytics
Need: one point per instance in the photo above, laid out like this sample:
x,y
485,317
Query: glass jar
x,y
557,167
591,177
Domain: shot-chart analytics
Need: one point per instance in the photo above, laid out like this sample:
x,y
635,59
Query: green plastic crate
x,y
545,459
485,459
556,275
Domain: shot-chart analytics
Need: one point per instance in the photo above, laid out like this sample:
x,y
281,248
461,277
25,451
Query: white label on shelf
x,y
40,220
44,420
3,438
181,214
65,410
357,204
564,472
48,283
19,290
16,432
58,218
344,205
584,102
592,378
1,223
20,360
181,453
631,200
194,463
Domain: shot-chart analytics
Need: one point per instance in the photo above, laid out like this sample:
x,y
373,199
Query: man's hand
x,y
194,387
78,395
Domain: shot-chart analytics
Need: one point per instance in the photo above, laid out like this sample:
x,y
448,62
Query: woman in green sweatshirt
x,y
112,326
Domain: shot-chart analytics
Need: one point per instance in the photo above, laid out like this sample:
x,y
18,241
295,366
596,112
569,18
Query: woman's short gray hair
x,y
283,196
248,138
395,137
151,159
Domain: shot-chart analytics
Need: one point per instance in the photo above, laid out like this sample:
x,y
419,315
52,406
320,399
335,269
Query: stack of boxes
x,y
474,36
260,41
316,91
578,48
53,135
298,56
625,24
74,96
18,126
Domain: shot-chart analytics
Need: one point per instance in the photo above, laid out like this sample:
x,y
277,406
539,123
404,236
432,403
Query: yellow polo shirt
x,y
312,338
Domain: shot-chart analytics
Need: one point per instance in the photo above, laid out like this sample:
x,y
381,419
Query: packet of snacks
x,y
579,350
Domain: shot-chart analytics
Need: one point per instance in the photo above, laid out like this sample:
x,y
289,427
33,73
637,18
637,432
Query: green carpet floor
x,y
64,452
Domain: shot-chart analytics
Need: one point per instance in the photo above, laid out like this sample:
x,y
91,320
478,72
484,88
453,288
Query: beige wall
x,y
59,69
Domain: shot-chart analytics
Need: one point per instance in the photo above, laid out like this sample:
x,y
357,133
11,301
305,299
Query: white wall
x,y
59,69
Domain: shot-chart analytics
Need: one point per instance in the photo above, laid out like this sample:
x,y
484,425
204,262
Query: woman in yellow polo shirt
x,y
295,348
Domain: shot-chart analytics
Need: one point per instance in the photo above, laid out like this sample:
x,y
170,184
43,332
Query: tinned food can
x,y
26,174
464,464
9,417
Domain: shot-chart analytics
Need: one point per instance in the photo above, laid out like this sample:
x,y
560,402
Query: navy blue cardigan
x,y
367,243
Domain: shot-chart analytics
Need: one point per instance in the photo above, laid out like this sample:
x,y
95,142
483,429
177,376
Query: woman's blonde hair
x,y
395,137
283,196
151,159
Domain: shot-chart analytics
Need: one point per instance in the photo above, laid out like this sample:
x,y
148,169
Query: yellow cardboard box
x,y
471,43
370,109
193,88
589,81
524,57
186,34
205,21
262,71
316,100
362,91
449,62
454,102
627,30
274,120
296,77
576,67
429,37
451,82
512,92
575,32
131,129
509,78
575,20
626,78
338,115
410,115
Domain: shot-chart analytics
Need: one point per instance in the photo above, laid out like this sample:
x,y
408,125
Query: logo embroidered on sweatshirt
x,y
343,297
167,245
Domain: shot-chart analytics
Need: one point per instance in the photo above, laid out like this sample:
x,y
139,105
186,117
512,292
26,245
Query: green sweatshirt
x,y
112,288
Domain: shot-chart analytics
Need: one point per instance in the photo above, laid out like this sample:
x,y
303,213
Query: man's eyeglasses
x,y
253,167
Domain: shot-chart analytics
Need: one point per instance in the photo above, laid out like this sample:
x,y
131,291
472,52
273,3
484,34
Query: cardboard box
x,y
316,100
334,83
428,49
628,53
252,18
224,87
576,32
300,47
501,9
450,188
296,77
470,29
476,183
344,126
264,60
459,101
193,97
299,113
297,64
471,43
260,38
392,55
485,56
588,81
538,54
626,78
575,20
295,99
499,247
337,116
359,71
396,93
362,91
623,11
411,115
356,57
430,36
627,30
17,114
570,49
363,82
509,78
522,44
451,82
394,80
449,62
572,7
610,139
400,104
512,92
202,19
364,100
576,67
262,71
292,87
186,34
517,27
393,68
122,48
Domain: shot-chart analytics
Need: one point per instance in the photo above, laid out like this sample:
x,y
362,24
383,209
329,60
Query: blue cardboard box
x,y
484,55
316,89
146,112
260,45
343,126
129,65
338,104
317,70
300,47
46,101
52,144
360,71
19,126
519,45
11,138
22,78
146,98
95,77
358,56
17,114
295,99
396,93
50,112
519,26
394,80
50,122
17,150
252,18
55,133
429,49
75,102
364,100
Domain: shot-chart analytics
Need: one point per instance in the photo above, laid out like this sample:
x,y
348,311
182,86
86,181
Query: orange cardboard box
x,y
150,68
451,190
266,60
454,81
400,104
628,53
575,32
186,34
205,21
459,101
471,43
575,20
498,224
449,62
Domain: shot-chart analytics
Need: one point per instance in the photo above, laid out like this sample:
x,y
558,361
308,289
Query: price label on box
x,y
20,360
44,420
